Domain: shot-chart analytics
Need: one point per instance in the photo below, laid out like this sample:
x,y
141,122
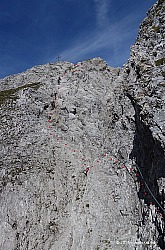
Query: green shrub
x,y
11,94
156,29
162,84
163,73
160,62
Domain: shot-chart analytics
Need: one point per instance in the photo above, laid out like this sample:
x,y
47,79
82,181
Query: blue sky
x,y
34,32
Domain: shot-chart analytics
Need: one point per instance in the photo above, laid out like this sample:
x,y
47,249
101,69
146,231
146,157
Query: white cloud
x,y
101,7
111,38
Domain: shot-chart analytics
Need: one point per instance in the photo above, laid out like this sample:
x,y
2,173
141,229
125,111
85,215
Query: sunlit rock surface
x,y
82,151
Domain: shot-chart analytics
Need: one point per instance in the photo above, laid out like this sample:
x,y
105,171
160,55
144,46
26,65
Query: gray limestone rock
x,y
82,151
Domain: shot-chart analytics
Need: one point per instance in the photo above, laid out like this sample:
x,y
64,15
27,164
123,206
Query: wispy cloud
x,y
101,7
112,38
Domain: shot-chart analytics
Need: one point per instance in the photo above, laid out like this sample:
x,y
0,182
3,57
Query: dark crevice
x,y
74,111
149,156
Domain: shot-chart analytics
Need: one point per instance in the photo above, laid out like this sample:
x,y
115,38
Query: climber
x,y
53,104
55,95
86,171
59,79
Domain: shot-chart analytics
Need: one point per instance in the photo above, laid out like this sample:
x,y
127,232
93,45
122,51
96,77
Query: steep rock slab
x,y
69,132
75,119
144,75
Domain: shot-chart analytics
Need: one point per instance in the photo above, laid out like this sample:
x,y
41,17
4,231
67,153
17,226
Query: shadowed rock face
x,y
82,152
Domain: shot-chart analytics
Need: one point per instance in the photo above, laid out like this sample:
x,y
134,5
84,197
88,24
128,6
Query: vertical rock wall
x,y
82,152
145,75
71,120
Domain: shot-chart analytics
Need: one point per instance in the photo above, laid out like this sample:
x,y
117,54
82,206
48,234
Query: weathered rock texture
x,y
57,120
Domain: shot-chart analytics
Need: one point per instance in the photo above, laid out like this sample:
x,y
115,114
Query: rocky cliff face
x,y
82,152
